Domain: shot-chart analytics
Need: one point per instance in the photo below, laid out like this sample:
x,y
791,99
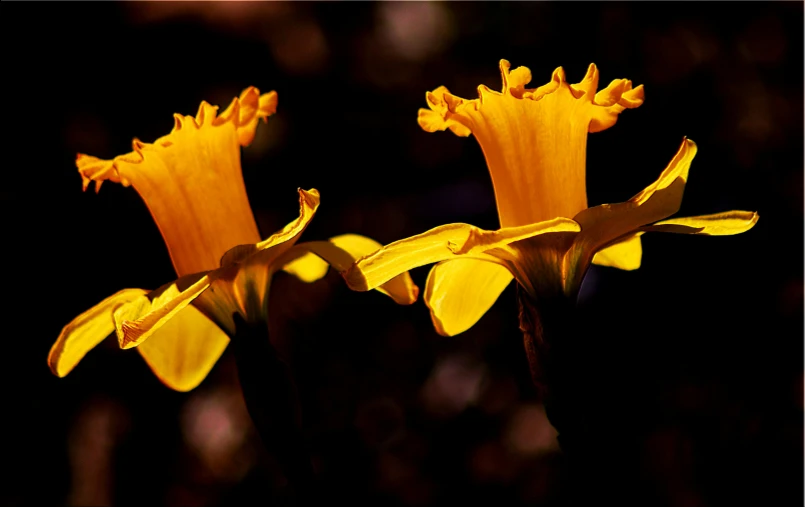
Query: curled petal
x,y
438,244
431,121
718,224
659,200
341,252
309,201
677,170
514,81
97,170
602,225
558,79
138,319
439,116
243,113
460,291
86,331
588,86
612,101
246,110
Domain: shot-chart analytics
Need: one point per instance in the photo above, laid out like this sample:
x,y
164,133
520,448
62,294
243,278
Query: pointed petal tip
x,y
690,145
592,74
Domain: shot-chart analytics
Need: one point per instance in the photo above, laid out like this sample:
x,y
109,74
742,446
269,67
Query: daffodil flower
x,y
191,182
534,141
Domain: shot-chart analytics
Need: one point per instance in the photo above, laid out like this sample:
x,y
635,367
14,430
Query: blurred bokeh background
x,y
699,369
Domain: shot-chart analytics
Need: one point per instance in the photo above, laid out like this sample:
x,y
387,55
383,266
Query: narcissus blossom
x,y
191,182
534,141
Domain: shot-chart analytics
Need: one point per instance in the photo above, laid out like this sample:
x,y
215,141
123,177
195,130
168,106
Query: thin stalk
x,y
273,403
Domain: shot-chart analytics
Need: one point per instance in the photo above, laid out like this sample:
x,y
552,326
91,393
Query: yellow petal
x,y
183,351
341,252
438,244
138,319
718,224
439,117
308,267
601,225
608,223
625,254
678,169
250,107
613,100
309,201
244,280
460,291
534,140
588,86
86,331
240,285
180,174
401,288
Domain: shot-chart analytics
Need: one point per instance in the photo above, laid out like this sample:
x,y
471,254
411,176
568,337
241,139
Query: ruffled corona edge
x,y
243,113
447,111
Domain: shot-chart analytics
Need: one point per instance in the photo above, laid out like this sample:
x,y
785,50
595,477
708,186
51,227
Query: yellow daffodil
x,y
191,182
534,141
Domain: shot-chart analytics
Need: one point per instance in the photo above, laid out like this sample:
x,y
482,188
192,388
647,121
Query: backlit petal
x,y
460,291
309,201
626,254
86,331
184,349
603,224
438,244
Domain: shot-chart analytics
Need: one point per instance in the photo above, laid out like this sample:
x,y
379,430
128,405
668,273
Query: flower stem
x,y
273,404
552,342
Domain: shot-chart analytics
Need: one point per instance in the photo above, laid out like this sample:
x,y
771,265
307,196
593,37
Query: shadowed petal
x,y
603,224
718,224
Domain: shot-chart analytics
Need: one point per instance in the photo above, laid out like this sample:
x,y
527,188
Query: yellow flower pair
x,y
534,141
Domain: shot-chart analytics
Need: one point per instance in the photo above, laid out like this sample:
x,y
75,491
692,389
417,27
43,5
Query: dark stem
x,y
273,404
573,370
553,346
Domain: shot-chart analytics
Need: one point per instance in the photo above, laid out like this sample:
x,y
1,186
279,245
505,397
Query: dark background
x,y
701,349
